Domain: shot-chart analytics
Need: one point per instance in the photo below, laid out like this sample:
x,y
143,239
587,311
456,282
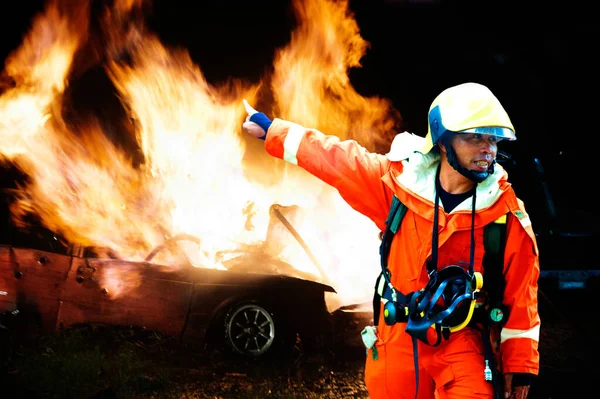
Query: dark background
x,y
536,57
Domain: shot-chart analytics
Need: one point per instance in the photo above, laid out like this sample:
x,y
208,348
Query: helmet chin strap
x,y
476,177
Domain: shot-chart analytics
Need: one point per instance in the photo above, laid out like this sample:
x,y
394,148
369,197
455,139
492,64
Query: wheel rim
x,y
251,330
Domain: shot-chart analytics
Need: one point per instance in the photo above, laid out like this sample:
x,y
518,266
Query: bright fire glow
x,y
200,174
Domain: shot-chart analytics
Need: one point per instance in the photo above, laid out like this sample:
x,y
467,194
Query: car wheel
x,y
250,330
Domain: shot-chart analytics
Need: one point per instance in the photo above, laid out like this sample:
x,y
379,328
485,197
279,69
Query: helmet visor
x,y
502,133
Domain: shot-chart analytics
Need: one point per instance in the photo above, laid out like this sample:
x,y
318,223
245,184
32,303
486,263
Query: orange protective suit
x,y
367,181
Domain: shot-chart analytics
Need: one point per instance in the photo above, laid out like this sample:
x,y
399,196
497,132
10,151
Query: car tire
x,y
251,330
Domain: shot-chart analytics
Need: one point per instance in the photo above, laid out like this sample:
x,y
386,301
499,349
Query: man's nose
x,y
487,145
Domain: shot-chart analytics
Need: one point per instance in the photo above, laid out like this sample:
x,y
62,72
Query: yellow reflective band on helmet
x,y
468,107
428,144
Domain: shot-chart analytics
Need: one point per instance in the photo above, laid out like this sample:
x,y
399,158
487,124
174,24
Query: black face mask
x,y
472,175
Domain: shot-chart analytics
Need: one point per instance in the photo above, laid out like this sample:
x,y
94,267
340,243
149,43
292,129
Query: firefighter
x,y
452,187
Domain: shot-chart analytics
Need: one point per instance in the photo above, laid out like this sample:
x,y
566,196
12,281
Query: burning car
x,y
255,305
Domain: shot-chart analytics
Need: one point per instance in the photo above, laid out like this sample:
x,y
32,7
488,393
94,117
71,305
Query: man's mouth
x,y
483,165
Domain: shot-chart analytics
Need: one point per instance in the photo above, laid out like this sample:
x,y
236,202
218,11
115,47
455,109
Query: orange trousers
x,y
452,370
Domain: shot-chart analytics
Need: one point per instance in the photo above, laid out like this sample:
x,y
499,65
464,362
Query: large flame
x,y
198,174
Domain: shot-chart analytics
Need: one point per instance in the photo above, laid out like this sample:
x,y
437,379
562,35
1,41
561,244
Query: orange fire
x,y
200,175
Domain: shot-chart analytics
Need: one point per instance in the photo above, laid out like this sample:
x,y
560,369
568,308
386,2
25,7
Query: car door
x,y
30,282
119,292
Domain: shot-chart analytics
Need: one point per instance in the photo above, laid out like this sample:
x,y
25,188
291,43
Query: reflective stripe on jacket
x,y
367,182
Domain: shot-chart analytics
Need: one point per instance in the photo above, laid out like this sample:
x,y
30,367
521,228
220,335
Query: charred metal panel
x,y
32,282
8,282
126,293
4,253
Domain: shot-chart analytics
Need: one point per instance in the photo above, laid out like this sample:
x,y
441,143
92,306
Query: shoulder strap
x,y
392,223
494,242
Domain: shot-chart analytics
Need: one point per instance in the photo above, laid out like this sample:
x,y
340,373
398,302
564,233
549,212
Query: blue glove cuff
x,y
263,121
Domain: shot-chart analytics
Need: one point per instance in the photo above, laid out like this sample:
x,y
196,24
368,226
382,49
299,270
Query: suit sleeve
x,y
345,165
519,337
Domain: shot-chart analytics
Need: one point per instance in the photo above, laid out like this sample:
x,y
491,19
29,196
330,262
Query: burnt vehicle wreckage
x,y
258,306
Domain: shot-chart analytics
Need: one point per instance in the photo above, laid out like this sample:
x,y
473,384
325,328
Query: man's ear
x,y
442,147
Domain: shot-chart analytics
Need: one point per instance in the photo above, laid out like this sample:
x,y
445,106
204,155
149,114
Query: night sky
x,y
538,61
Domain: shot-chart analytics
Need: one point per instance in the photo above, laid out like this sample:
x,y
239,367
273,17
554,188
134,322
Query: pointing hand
x,y
256,123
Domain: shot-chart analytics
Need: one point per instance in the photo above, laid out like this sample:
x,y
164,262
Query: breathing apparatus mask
x,y
446,304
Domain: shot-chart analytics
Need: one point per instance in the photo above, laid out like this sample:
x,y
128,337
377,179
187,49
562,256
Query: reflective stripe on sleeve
x,y
292,143
525,222
510,333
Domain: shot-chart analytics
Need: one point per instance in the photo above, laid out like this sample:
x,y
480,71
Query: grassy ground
x,y
94,362
102,362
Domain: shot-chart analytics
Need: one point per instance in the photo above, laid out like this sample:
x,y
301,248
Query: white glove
x,y
252,127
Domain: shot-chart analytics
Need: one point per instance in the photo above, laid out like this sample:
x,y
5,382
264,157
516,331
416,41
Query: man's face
x,y
475,151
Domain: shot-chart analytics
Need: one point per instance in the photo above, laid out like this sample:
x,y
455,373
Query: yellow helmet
x,y
467,108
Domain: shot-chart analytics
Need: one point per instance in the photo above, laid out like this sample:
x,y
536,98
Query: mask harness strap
x,y
430,297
